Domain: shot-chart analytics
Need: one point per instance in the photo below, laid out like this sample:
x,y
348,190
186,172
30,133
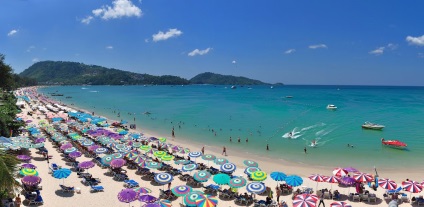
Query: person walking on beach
x,y
203,150
173,132
224,151
321,199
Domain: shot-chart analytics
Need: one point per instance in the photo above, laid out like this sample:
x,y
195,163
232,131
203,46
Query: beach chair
x,y
37,201
54,167
365,198
67,189
130,183
372,197
327,195
97,188
404,198
356,197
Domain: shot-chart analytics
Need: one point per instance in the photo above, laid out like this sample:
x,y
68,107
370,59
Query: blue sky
x,y
361,42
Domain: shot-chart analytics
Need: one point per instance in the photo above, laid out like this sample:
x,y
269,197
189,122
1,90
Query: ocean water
x,y
212,114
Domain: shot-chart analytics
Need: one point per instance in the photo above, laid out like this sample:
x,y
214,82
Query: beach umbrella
x,y
127,195
207,201
194,154
387,184
151,151
351,169
37,145
183,162
62,173
332,179
28,171
278,176
191,198
258,176
40,140
237,182
28,165
151,205
221,179
69,150
23,157
348,181
132,154
249,170
120,146
159,153
101,150
317,178
363,177
142,190
25,145
86,165
118,163
163,203
117,155
202,176
228,167
184,151
66,146
412,186
75,154
339,172
31,180
340,204
145,147
93,147
221,161
256,187
136,144
154,165
87,143
208,157
147,198
167,158
189,167
250,163
294,180
181,190
163,178
304,200
107,159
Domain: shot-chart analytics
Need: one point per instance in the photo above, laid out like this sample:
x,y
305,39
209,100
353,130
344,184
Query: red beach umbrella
x,y
317,178
387,184
412,186
304,200
340,204
339,172
363,177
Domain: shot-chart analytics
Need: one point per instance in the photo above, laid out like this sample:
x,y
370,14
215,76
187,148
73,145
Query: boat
x,y
369,125
331,107
394,144
313,143
272,87
233,87
289,96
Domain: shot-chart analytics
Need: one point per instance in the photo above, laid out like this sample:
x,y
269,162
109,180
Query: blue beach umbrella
x,y
221,179
163,178
228,167
189,167
62,173
256,187
294,180
278,176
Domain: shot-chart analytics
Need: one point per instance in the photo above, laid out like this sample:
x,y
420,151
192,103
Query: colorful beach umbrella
x,y
75,154
228,167
340,204
145,147
256,187
101,150
118,163
332,179
387,184
340,172
154,165
207,201
278,176
304,200
127,195
237,182
147,198
151,205
221,179
107,159
412,186
87,142
164,203
182,162
28,171
189,167
317,178
258,176
118,155
69,150
363,177
167,158
31,180
163,178
86,165
195,154
23,157
202,176
208,157
28,165
142,190
132,154
159,153
191,198
294,180
250,170
221,161
250,163
181,190
62,173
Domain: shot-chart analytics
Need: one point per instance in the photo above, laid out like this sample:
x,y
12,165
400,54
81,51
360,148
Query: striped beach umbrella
x,y
167,158
181,190
237,182
228,167
87,142
317,178
256,187
69,150
412,186
28,171
106,160
220,161
258,176
182,162
387,184
340,204
278,176
118,155
332,179
363,177
139,158
249,170
121,147
340,172
195,154
145,147
221,179
154,165
159,153
136,144
131,154
304,200
191,198
163,203
202,176
142,190
163,178
250,163
207,201
101,150
189,167
208,157
294,180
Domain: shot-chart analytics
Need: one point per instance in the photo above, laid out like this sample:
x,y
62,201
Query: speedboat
x,y
233,87
394,144
331,107
369,125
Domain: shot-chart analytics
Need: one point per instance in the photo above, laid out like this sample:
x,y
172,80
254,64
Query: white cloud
x,y
419,41
233,62
199,52
110,47
392,46
30,48
290,51
164,36
87,20
317,46
120,8
378,51
35,60
146,40
12,32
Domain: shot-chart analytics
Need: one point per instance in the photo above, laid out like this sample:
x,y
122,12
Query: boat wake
x,y
94,91
313,126
84,88
294,134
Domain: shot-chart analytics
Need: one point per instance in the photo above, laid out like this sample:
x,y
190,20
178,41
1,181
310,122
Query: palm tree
x,y
8,168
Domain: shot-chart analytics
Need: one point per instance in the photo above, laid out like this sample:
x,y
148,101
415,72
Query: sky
x,y
327,42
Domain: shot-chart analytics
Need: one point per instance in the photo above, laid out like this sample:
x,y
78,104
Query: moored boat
x,y
394,144
331,107
369,125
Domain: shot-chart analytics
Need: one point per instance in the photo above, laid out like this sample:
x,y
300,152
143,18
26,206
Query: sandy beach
x,y
53,196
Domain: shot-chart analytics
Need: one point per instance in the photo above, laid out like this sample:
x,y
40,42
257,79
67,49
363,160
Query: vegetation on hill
x,y
217,79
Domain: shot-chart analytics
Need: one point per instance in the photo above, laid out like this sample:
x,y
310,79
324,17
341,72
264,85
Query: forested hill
x,y
73,73
217,79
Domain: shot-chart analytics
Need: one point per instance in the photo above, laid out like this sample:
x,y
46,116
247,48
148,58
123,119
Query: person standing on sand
x,y
173,132
267,147
238,140
18,201
203,150
247,139
224,151
304,149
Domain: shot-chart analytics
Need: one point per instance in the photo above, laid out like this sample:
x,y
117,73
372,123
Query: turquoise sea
x,y
265,116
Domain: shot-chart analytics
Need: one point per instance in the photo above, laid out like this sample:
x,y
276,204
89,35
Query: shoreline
x,y
267,163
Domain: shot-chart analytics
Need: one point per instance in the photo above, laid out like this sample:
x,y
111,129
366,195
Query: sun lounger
x,y
97,188
37,201
130,183
356,197
67,189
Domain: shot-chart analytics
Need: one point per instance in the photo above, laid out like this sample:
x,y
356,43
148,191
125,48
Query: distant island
x,y
74,73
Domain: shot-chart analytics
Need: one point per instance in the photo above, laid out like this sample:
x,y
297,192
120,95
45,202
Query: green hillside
x,y
217,79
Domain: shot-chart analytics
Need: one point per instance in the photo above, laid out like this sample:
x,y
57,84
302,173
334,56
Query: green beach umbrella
x,y
221,179
251,170
258,176
208,157
162,139
167,158
145,147
28,171
159,153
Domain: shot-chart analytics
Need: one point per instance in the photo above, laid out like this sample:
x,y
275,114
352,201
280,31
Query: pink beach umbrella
x,y
363,177
412,186
387,184
304,200
317,178
340,204
339,172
